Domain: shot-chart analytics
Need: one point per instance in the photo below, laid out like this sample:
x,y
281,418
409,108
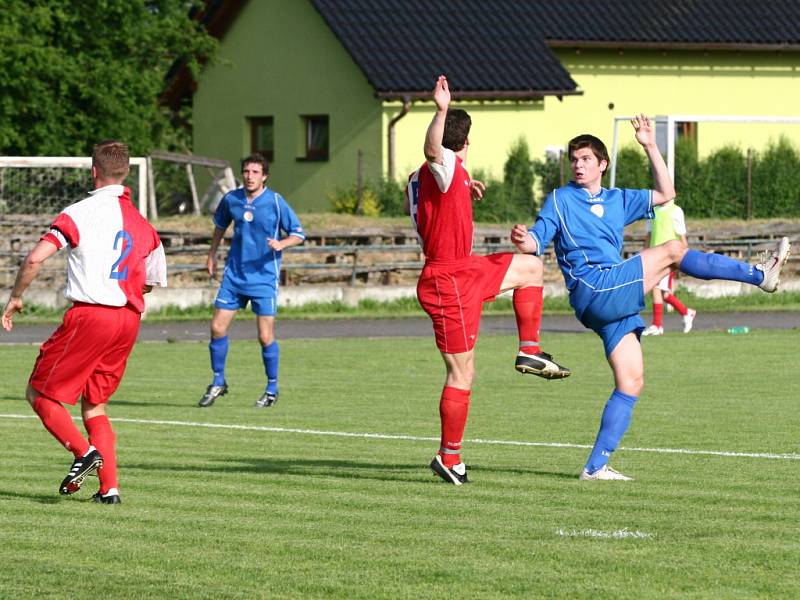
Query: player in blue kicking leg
x,y
260,217
585,222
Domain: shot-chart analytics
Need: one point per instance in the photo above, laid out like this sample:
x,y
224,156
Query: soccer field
x,y
329,495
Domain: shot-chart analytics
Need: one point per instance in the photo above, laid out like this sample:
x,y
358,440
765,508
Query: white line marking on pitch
x,y
417,438
595,533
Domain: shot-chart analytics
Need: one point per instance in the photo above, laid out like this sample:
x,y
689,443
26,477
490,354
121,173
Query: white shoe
x,y
653,330
605,473
771,266
688,320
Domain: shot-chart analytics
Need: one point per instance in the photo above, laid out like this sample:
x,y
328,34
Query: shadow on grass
x,y
344,469
40,498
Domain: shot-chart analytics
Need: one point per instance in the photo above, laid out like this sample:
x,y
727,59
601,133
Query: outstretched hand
x,y
522,239
441,93
645,130
476,189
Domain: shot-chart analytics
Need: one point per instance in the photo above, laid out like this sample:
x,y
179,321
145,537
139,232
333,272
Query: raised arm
x,y
433,137
646,135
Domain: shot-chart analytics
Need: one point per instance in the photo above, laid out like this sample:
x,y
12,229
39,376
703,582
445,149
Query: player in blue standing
x,y
264,225
585,222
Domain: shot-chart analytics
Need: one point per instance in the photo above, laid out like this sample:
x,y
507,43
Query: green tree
x,y
76,71
518,178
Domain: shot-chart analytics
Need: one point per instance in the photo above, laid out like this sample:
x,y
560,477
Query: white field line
x,y
416,438
620,534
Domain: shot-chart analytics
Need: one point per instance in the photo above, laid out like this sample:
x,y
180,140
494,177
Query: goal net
x,y
37,185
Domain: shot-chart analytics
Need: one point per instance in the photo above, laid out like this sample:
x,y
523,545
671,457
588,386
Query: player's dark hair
x,y
111,159
257,159
457,124
595,144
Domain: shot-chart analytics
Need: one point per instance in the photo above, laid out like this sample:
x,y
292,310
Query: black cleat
x,y
267,400
109,499
541,364
449,474
81,467
212,393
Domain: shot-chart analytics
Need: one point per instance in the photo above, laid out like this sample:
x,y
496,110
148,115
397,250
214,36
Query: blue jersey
x,y
587,230
252,267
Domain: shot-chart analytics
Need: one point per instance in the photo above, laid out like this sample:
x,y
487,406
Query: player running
x,y
585,222
668,224
259,216
114,256
454,283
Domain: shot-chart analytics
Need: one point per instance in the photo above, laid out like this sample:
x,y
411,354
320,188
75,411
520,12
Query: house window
x,y
316,137
262,136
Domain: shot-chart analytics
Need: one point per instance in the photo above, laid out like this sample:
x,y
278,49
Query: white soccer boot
x,y
653,330
772,264
605,473
688,320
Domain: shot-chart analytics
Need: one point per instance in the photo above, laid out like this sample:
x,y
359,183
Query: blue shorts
x,y
263,306
609,301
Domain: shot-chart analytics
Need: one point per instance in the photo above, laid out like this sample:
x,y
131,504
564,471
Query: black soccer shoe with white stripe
x,y
81,467
108,499
212,393
267,400
457,474
541,364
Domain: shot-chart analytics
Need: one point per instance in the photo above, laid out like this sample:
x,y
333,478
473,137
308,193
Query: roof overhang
x,y
628,45
479,94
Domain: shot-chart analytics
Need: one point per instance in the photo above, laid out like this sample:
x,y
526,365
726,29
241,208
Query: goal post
x,y
666,127
37,184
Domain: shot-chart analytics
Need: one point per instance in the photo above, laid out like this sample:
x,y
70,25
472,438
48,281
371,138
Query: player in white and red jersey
x,y
455,283
114,257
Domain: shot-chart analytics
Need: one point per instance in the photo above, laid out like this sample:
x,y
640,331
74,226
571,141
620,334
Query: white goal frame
x,y
81,162
668,140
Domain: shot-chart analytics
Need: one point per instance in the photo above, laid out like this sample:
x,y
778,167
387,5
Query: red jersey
x,y
443,219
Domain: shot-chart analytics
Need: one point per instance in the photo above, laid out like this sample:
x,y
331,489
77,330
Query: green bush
x,y
518,178
345,201
552,173
776,180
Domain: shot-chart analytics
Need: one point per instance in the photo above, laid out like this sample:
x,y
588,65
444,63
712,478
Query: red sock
x,y
658,314
57,420
528,311
102,437
676,304
453,410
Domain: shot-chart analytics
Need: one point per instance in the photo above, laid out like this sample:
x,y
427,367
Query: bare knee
x,y
266,340
677,250
632,385
218,330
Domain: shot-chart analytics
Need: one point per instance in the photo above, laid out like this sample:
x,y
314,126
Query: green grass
x,y
263,507
408,307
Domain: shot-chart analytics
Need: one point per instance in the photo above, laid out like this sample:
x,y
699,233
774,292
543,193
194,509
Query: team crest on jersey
x,y
247,216
597,210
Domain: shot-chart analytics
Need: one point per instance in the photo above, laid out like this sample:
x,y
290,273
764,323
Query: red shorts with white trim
x,y
453,293
87,354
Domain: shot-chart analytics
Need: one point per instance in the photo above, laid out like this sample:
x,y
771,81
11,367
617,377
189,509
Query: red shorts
x,y
86,355
453,294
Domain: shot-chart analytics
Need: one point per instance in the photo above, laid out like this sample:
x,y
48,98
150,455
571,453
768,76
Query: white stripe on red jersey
x,y
113,252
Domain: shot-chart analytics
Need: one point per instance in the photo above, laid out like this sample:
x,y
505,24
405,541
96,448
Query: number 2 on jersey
x,y
125,249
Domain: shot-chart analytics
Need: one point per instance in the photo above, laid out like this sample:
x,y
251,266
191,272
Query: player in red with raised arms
x,y
114,256
455,283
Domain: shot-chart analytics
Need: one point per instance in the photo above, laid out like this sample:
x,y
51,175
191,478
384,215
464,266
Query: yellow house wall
x,y
654,82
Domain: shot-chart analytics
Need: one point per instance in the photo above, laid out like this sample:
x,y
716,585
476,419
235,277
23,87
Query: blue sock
x,y
718,266
271,356
218,348
613,425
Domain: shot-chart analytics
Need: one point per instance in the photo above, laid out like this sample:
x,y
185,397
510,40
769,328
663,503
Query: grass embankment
x,y
408,307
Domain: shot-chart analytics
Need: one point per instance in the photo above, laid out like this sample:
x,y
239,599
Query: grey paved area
x,y
288,328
